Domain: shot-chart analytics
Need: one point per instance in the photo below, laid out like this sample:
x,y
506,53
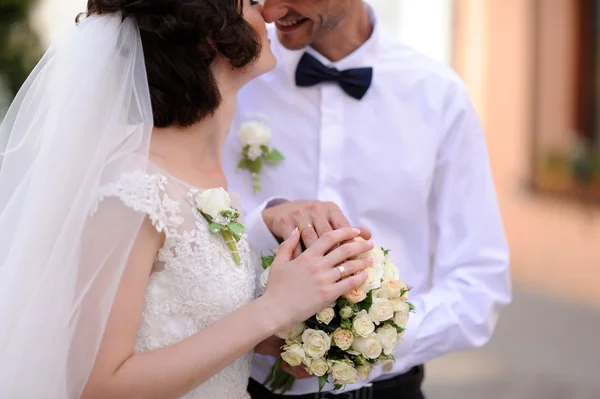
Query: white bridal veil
x,y
82,118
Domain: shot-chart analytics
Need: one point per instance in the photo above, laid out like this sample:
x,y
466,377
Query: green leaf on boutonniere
x,y
255,166
236,228
243,163
215,227
273,156
322,381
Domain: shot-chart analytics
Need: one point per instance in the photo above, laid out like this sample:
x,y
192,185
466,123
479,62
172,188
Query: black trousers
x,y
405,386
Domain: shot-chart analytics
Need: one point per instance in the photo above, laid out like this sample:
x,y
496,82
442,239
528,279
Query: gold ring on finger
x,y
342,270
308,226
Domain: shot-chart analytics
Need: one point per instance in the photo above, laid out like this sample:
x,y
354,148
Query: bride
x,y
111,283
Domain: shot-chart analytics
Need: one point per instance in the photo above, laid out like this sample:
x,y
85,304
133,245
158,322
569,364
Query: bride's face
x,y
266,60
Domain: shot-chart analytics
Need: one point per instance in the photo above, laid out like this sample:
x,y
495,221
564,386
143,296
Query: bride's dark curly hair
x,y
181,38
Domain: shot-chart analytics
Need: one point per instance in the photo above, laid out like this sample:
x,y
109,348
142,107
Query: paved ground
x,y
543,349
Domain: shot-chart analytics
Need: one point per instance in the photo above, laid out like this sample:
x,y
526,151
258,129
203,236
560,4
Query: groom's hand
x,y
313,218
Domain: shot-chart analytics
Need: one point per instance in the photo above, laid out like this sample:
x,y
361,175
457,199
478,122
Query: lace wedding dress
x,y
194,281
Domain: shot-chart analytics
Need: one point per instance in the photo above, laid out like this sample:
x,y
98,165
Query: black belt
x,y
404,386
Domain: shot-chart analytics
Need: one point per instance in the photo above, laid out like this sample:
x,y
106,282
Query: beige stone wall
x,y
555,244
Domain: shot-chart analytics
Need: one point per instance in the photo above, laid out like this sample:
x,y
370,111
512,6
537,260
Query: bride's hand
x,y
297,289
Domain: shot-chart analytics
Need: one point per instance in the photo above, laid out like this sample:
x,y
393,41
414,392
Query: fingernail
x,y
293,233
370,259
356,231
371,244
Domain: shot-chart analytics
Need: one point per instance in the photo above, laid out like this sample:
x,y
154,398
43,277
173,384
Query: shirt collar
x,y
364,56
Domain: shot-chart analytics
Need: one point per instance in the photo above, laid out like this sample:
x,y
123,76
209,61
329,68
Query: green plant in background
x,y
20,46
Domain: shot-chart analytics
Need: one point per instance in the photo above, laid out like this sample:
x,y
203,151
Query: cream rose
x,y
343,373
342,338
315,343
375,271
325,315
390,271
363,324
254,133
346,312
369,347
264,278
391,289
355,296
364,371
318,366
293,354
402,314
388,336
213,201
381,310
293,333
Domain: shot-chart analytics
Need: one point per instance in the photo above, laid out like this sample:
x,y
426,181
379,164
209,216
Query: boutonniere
x,y
215,206
255,136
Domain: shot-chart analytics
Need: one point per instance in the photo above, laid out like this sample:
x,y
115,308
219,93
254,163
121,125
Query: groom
x,y
375,134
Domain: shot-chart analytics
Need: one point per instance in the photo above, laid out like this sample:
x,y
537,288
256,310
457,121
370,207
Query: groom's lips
x,y
290,25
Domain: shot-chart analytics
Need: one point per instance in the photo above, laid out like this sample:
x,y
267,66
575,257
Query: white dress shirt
x,y
409,162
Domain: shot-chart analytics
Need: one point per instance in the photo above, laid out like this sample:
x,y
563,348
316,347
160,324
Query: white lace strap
x,y
145,193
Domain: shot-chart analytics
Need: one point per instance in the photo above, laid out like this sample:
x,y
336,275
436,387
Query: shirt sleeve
x,y
470,271
259,236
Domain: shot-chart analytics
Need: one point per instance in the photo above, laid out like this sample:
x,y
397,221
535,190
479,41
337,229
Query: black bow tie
x,y
355,82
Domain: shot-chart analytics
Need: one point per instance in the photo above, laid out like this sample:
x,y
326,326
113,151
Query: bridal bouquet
x,y
346,339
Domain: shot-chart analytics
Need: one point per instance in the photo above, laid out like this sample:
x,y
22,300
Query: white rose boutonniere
x,y
215,205
255,137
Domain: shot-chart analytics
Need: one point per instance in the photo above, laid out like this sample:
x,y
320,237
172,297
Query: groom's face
x,y
300,22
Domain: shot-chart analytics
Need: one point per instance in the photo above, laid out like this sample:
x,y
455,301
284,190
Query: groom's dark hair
x,y
181,38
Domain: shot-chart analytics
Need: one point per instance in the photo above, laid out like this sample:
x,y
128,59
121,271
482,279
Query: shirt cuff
x,y
259,236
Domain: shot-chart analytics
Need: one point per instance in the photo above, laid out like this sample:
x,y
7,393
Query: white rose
x,y
364,371
293,354
343,373
213,201
404,287
325,315
254,152
293,332
355,296
254,133
369,347
264,278
388,336
381,310
363,324
390,271
315,343
342,338
399,304
346,312
401,315
375,271
318,366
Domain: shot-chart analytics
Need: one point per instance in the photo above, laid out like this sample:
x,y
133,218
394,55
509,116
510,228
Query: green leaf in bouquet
x,y
386,251
346,323
273,156
243,164
322,381
236,228
341,302
367,302
215,227
337,386
255,166
411,307
267,261
360,360
245,150
399,329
